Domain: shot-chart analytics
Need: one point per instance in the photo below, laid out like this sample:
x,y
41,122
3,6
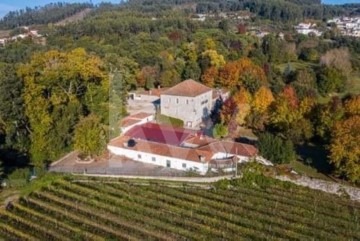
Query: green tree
x,y
220,131
275,149
90,136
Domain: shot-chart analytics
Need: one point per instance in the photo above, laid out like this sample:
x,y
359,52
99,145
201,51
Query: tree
x,y
262,99
275,149
220,131
330,80
90,136
338,59
345,148
352,106
60,87
209,78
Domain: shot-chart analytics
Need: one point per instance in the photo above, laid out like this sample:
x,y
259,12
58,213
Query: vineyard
x,y
97,209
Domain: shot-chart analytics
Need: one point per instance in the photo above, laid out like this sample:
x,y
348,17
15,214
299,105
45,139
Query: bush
x,y
18,178
275,149
163,119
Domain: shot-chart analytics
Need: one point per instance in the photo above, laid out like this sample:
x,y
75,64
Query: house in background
x,y
189,101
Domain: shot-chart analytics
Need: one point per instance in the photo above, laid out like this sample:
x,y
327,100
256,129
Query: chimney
x,y
202,158
150,92
159,87
201,136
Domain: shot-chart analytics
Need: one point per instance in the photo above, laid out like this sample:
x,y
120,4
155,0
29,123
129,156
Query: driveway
x,y
111,165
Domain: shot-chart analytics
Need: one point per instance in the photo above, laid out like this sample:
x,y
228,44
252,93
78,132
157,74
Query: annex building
x,y
180,148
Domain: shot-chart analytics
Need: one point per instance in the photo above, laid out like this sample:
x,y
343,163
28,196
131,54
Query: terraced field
x,y
126,210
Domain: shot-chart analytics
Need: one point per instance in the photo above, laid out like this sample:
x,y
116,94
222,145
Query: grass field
x,y
125,210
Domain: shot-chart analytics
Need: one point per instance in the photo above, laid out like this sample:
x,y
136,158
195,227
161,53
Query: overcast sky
x,y
11,5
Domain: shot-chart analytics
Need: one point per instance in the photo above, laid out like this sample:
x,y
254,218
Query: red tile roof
x,y
160,133
234,148
153,92
163,149
133,119
189,88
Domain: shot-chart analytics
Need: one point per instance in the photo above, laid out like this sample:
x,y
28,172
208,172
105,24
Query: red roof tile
x,y
189,88
230,147
160,133
163,149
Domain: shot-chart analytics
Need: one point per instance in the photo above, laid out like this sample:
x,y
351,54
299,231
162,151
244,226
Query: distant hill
x,y
50,13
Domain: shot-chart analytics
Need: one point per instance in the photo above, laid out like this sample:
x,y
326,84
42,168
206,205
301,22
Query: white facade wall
x,y
191,110
175,163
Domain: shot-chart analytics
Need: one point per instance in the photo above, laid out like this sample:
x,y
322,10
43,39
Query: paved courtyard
x,y
136,106
111,165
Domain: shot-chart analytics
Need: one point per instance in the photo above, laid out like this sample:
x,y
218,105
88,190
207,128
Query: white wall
x,y
188,109
201,168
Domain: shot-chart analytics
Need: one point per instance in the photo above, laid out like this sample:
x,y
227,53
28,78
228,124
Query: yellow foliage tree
x,y
216,59
345,148
262,99
242,99
352,106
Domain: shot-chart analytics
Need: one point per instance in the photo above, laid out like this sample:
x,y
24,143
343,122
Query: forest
x,y
292,90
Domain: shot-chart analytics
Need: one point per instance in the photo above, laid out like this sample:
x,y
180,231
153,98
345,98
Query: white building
x,y
181,149
307,28
189,101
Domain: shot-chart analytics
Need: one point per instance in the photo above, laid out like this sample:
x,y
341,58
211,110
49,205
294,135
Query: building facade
x,y
189,101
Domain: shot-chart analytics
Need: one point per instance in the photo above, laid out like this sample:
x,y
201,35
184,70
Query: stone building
x,y
189,101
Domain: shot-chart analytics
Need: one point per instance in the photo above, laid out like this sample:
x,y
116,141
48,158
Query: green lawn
x,y
295,65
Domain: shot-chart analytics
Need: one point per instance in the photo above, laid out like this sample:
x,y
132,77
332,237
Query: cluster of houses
x,y
349,26
186,148
308,28
27,33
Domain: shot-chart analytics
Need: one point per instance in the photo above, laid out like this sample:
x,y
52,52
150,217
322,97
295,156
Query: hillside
x,y
114,209
50,13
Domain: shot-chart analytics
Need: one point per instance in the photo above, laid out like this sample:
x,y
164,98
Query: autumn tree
x,y
352,106
262,99
90,136
209,78
345,148
60,87
242,100
147,77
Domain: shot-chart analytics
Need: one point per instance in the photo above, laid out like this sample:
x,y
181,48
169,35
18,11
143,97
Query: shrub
x,y
276,149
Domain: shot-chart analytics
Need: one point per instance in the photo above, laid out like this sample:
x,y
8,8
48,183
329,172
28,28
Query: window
x,y
168,163
139,156
177,101
153,159
184,165
187,102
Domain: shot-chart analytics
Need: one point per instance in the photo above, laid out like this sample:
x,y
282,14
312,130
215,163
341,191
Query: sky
x,y
11,5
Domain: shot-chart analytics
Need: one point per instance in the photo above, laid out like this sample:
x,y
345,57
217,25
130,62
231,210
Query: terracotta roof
x,y
153,92
199,140
165,134
133,119
128,122
163,149
234,148
189,88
